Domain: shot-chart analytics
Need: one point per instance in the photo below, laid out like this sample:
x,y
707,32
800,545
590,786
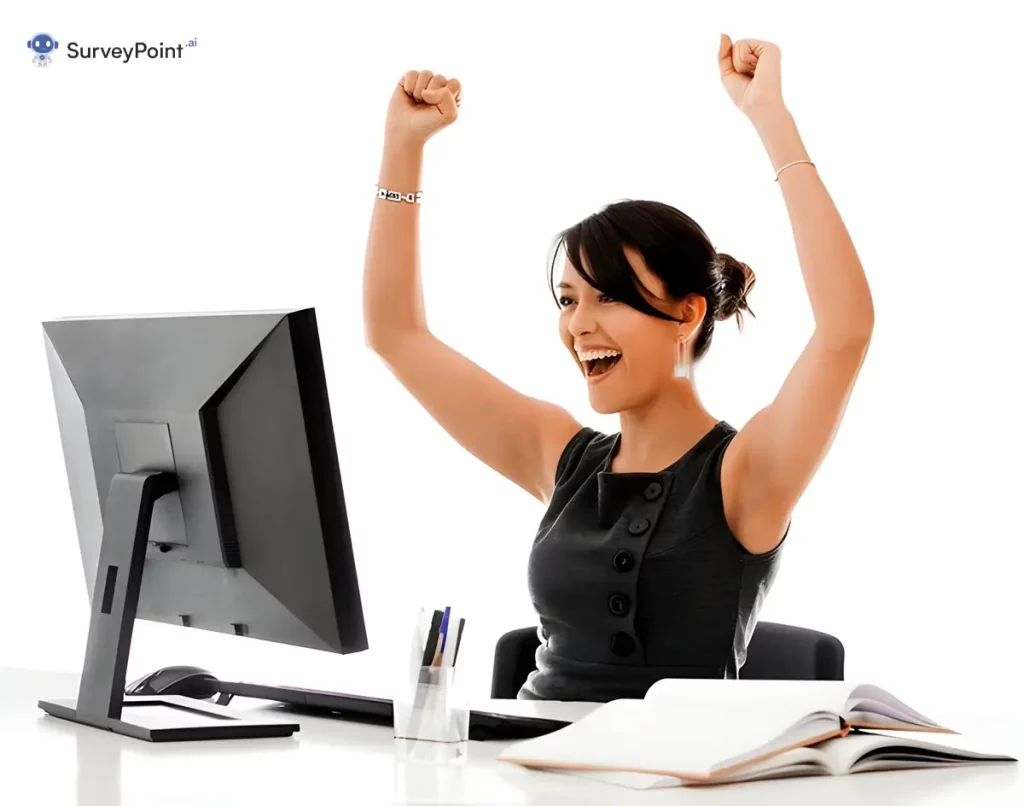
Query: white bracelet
x,y
795,162
395,196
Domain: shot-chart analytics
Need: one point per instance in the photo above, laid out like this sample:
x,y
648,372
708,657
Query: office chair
x,y
775,652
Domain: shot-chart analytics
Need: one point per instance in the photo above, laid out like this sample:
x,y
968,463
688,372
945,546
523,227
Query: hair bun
x,y
734,280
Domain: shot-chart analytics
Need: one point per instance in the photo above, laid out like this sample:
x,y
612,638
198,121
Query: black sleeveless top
x,y
637,576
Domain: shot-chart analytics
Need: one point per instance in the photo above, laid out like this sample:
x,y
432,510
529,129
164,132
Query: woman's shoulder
x,y
583,453
709,452
705,456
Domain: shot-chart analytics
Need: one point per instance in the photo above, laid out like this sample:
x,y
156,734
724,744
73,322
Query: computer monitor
x,y
206,491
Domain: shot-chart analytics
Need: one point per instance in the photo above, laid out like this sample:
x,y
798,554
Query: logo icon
x,y
42,45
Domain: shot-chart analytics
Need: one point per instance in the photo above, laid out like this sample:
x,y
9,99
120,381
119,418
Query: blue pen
x,y
444,626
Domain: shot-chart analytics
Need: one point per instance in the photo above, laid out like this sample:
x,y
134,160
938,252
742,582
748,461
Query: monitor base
x,y
101,701
171,718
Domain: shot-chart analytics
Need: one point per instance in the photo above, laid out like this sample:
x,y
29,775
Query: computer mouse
x,y
185,681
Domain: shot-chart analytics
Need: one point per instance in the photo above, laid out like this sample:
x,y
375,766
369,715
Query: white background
x,y
241,177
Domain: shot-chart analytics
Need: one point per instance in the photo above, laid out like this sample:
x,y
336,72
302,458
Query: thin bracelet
x,y
395,196
784,167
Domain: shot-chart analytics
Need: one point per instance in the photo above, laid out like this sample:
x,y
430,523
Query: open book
x,y
721,731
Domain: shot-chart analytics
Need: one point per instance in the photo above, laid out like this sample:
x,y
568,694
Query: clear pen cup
x,y
431,717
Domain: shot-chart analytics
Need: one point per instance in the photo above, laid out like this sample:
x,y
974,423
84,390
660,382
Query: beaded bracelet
x,y
395,196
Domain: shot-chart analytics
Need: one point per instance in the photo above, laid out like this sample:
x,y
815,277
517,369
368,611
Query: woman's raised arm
x,y
518,436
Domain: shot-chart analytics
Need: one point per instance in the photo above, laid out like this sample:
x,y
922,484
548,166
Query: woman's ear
x,y
692,314
694,309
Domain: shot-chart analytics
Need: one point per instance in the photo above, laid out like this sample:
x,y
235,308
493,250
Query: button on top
x,y
623,644
653,491
618,603
639,526
623,561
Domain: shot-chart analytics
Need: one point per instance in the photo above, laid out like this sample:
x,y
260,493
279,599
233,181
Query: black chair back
x,y
513,661
784,652
776,652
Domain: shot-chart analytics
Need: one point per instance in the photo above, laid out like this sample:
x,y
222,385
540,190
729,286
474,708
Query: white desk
x,y
46,760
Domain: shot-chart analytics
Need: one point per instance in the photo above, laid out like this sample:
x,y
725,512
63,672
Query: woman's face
x,y
626,356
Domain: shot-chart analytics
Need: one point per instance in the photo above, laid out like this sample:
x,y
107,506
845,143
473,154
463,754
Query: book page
x,y
871,703
798,762
860,704
819,695
903,749
795,763
780,702
867,751
645,736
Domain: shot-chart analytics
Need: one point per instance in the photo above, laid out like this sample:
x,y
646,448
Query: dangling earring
x,y
684,360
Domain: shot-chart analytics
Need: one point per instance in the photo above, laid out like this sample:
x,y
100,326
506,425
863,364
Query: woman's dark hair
x,y
674,248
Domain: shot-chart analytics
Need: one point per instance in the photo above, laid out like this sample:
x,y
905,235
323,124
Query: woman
x,y
659,542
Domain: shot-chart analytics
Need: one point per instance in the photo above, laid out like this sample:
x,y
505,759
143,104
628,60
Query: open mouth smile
x,y
598,364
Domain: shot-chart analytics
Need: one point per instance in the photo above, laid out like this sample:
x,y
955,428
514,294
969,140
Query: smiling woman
x,y
645,276
659,542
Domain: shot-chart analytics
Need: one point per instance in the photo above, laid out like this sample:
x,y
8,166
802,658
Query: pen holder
x,y
432,717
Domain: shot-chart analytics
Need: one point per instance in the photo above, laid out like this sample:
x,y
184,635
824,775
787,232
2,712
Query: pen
x,y
458,640
430,647
443,634
452,641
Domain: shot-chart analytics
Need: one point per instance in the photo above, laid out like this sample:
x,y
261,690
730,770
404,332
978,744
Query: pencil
x,y
458,639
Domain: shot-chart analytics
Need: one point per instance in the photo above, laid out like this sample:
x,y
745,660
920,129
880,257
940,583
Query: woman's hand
x,y
422,104
752,75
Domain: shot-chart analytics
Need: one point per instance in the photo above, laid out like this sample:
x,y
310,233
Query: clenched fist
x,y
423,103
752,74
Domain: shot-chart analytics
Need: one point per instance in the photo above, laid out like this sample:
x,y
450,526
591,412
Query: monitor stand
x,y
101,702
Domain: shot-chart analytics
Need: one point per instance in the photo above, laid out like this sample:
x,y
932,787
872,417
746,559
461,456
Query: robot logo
x,y
42,45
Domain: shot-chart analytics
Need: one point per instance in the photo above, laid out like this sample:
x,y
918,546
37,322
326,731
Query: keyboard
x,y
483,725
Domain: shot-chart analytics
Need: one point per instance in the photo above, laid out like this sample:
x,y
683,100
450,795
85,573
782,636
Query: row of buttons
x,y
623,644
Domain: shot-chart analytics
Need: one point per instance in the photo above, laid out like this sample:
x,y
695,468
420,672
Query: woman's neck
x,y
657,433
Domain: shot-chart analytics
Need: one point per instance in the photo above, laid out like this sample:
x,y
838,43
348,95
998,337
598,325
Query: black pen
x,y
458,640
431,646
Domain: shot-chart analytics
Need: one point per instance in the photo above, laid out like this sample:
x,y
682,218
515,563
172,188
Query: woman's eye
x,y
563,301
605,298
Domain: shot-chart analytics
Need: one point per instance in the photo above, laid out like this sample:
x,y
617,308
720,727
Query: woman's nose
x,y
582,321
